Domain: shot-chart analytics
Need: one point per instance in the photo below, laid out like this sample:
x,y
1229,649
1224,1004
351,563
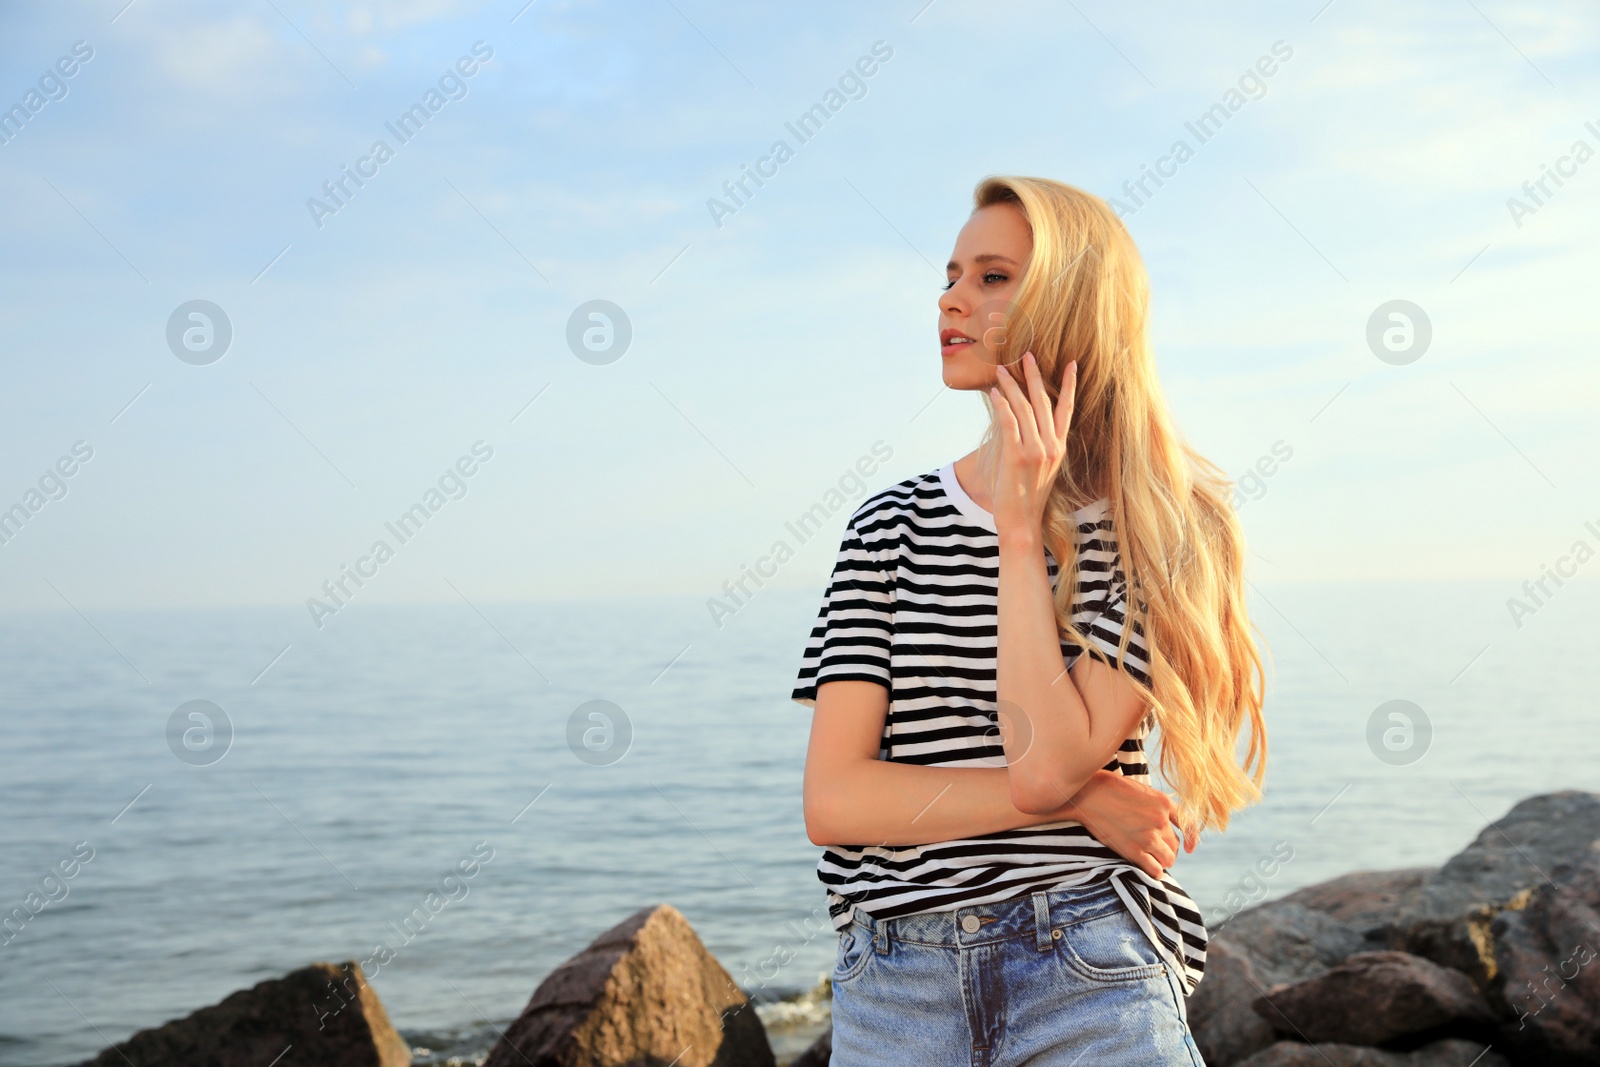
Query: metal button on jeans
x,y
970,924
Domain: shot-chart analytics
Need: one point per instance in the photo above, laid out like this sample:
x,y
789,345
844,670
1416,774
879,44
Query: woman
x,y
996,865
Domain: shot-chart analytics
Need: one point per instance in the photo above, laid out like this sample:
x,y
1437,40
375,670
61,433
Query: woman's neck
x,y
975,471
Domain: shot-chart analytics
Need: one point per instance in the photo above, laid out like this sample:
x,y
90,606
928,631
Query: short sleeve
x,y
1100,604
852,636
1105,630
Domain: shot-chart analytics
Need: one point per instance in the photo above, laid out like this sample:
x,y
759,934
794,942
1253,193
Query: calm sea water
x,y
373,756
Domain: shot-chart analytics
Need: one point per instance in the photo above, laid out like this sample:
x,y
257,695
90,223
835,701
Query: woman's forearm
x,y
1049,740
878,802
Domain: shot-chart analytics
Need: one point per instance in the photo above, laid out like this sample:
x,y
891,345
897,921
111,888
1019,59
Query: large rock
x,y
1365,900
1439,1054
1224,1027
645,992
324,1015
1285,941
1548,968
1448,917
1378,998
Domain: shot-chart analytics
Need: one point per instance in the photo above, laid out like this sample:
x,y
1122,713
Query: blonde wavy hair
x,y
1085,296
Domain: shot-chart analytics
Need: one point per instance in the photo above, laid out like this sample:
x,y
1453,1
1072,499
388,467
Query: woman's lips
x,y
953,341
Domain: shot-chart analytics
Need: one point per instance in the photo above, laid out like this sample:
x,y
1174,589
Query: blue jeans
x,y
1061,977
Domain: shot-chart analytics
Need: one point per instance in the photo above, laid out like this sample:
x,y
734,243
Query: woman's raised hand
x,y
1032,436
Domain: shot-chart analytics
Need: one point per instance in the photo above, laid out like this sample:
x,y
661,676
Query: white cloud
x,y
237,58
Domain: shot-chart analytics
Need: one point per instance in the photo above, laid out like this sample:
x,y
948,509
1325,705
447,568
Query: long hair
x,y
1085,296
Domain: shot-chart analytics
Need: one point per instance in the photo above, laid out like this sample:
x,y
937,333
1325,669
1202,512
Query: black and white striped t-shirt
x,y
912,605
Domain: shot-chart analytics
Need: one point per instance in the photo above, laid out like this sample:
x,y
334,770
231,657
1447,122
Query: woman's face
x,y
985,271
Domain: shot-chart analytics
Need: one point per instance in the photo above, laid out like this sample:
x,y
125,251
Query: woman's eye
x,y
994,277
946,286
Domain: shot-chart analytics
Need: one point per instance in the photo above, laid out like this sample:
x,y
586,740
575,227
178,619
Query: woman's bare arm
x,y
1057,730
854,798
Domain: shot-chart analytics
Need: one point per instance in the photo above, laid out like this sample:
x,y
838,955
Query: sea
x,y
237,794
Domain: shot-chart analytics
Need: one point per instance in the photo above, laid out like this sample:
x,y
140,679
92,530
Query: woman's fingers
x,y
1050,420
1068,399
1008,419
1041,399
1027,421
1164,852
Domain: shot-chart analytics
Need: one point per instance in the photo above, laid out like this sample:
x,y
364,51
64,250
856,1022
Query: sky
x,y
418,337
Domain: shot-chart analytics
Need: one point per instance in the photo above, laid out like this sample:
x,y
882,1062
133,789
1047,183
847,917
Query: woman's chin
x,y
968,379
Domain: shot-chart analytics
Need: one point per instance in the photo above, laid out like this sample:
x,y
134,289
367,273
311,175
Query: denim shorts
x,y
1060,977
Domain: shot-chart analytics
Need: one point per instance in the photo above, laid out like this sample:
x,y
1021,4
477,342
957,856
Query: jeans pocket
x,y
1109,948
855,952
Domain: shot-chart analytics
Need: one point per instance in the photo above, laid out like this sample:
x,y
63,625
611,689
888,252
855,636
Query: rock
x,y
1378,998
1455,1052
1548,973
1447,917
1281,942
644,992
1224,1027
1365,900
324,1015
1287,941
818,1055
1271,944
1439,1054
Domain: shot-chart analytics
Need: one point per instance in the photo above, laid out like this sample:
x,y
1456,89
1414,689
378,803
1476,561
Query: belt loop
x,y
1041,921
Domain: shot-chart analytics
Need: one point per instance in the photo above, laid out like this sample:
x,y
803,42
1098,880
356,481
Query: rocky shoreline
x,y
1423,966
1486,961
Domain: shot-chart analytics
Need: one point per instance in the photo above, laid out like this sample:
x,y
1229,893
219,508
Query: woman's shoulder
x,y
908,502
1100,573
1094,512
1094,531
